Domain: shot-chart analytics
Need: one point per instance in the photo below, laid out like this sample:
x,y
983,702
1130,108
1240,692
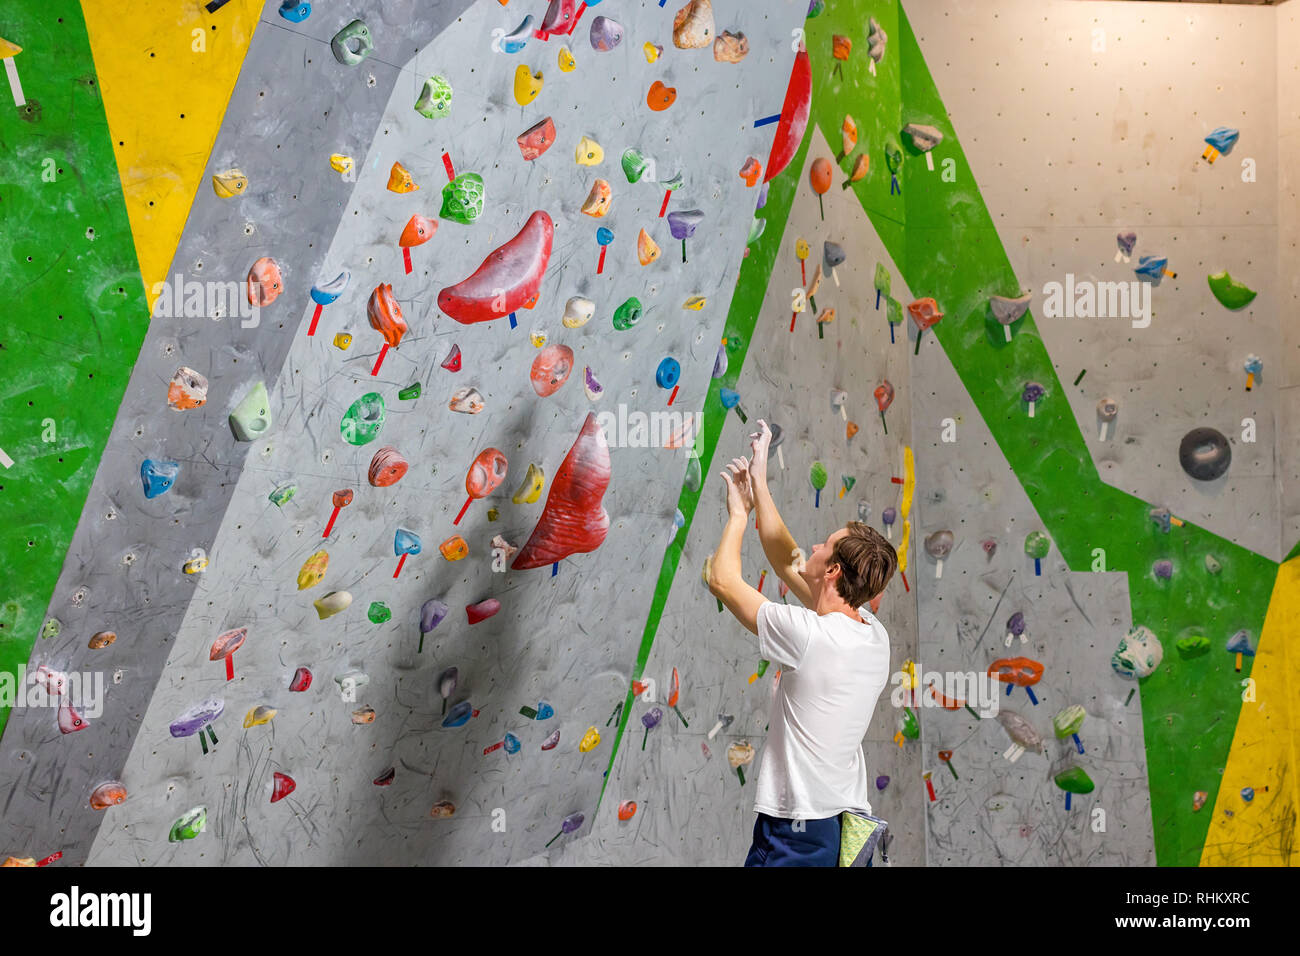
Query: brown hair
x,y
867,561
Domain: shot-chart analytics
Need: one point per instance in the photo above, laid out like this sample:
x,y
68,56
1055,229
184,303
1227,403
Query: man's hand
x,y
740,490
761,443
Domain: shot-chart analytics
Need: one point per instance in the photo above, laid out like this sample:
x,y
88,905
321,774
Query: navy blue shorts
x,y
777,843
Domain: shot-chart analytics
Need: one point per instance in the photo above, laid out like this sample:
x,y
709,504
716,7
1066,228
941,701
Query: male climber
x,y
834,660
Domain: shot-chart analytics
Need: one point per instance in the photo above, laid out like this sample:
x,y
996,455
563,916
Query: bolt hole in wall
x,y
1172,610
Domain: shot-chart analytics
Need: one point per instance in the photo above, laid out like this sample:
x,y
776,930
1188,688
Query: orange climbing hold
x,y
400,181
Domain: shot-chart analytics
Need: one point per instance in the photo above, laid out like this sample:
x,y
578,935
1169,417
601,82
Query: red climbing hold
x,y
794,117
301,679
284,785
573,521
508,280
452,362
482,610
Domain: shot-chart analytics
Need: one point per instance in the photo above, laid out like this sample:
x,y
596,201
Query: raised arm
x,y
778,544
726,580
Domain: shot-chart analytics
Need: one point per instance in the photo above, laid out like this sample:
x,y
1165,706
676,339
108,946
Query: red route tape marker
x,y
664,208
446,164
400,561
379,361
674,394
315,317
600,266
406,258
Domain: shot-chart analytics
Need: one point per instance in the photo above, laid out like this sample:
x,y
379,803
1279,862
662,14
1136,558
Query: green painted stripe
x,y
76,313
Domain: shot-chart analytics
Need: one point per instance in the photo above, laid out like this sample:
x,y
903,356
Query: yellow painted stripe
x,y
1263,832
166,70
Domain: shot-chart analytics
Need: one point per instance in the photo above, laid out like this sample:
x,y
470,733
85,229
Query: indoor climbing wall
x,y
492,359
367,409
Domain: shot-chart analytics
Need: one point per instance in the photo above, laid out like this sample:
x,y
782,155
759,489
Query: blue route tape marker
x,y
766,120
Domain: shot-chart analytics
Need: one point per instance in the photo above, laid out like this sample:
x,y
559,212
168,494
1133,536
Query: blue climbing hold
x,y
157,477
459,715
406,542
1223,138
604,236
668,373
730,397
295,12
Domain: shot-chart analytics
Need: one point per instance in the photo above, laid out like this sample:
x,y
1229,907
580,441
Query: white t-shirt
x,y
833,669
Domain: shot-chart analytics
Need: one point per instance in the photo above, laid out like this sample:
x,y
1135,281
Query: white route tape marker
x,y
5,459
15,84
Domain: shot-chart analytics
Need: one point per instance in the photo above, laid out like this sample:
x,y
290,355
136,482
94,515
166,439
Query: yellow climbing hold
x,y
531,487
590,740
527,85
567,63
341,164
342,340
8,49
232,182
695,303
589,152
313,570
261,714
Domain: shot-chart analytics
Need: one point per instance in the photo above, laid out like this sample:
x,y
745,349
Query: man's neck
x,y
826,604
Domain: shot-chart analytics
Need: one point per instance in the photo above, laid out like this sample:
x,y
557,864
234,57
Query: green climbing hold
x,y
756,230
628,314
817,474
1075,780
51,629
1068,721
1193,646
848,481
363,419
435,98
493,514
911,729
895,312
883,279
411,391
379,612
1231,293
283,495
462,199
734,343
251,418
634,165
1037,545
893,156
189,826
694,475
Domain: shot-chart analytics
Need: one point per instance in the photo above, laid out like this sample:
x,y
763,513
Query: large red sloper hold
x,y
574,521
794,116
508,280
